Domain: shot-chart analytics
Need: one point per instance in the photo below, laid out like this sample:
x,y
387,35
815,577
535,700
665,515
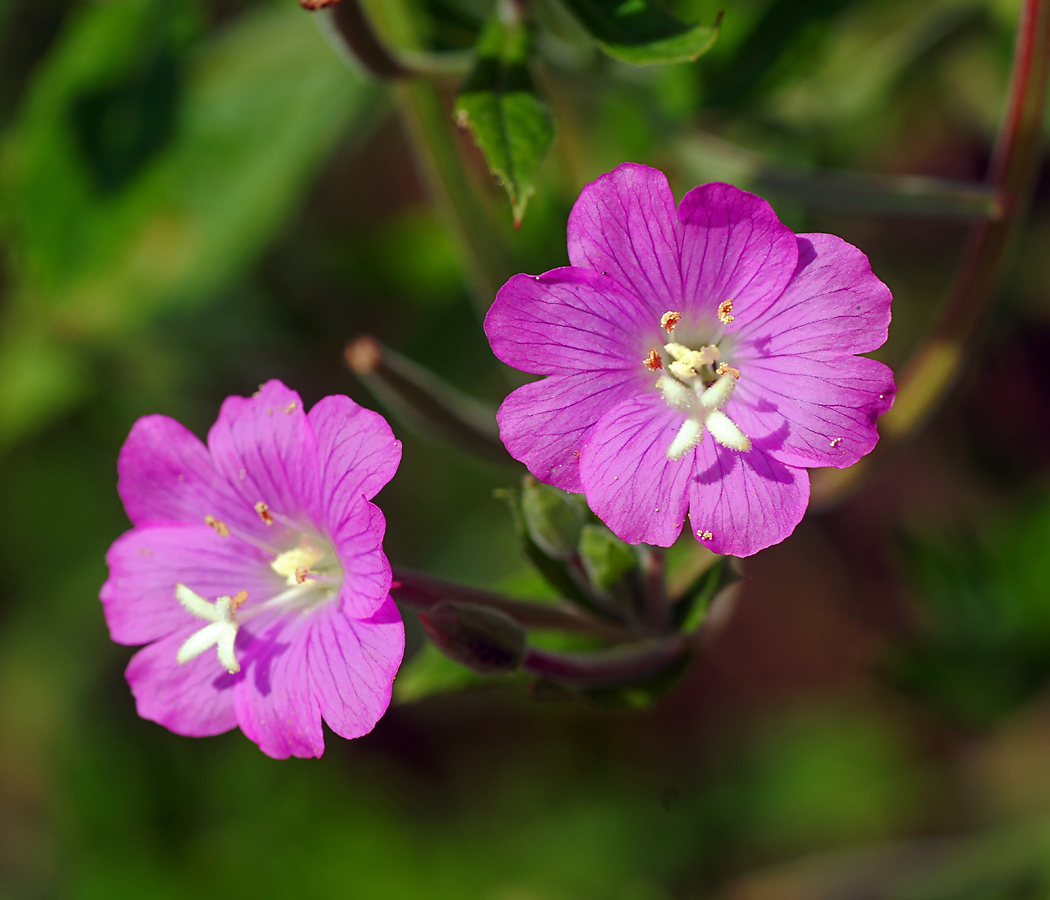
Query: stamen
x,y
653,361
725,312
297,560
220,527
688,362
264,512
725,367
669,320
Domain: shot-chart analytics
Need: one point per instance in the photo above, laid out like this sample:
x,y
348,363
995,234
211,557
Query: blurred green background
x,y
198,195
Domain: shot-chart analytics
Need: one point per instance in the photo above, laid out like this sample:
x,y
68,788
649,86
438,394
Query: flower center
x,y
697,384
312,574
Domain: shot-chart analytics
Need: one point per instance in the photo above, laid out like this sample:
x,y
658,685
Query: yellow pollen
x,y
835,442
704,535
653,361
725,367
264,512
669,320
220,527
295,563
725,312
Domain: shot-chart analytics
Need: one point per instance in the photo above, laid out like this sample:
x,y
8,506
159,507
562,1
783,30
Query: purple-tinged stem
x,y
422,591
936,366
599,669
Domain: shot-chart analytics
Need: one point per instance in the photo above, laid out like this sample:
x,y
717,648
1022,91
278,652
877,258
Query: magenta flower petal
x,y
245,555
358,543
733,248
544,423
710,360
146,563
816,412
834,306
194,699
624,224
266,451
358,453
568,320
627,477
740,503
274,702
167,475
352,664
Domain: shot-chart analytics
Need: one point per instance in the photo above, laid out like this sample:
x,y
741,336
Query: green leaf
x,y
498,103
643,32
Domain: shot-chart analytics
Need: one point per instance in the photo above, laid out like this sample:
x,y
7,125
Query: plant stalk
x,y
935,368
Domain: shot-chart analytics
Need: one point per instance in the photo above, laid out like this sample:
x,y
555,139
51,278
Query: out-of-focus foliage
x,y
140,176
983,646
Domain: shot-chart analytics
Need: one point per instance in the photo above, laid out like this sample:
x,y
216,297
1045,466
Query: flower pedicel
x,y
255,572
698,360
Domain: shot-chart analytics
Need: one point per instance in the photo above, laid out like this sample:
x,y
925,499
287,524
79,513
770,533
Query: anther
x,y
300,574
238,599
220,527
725,312
725,367
653,361
264,512
669,320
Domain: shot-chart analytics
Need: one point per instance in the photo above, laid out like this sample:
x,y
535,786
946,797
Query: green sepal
x,y
553,518
606,559
690,611
511,124
642,32
558,573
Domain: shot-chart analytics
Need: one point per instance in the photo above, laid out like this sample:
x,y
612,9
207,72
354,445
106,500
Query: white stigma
x,y
702,410
220,633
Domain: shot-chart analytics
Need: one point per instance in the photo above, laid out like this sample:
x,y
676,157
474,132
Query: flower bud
x,y
606,558
552,517
482,639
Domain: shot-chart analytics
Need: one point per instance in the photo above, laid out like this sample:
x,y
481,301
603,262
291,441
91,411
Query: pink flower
x,y
698,360
255,572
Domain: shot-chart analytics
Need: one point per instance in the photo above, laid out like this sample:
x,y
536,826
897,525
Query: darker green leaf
x,y
510,123
643,32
